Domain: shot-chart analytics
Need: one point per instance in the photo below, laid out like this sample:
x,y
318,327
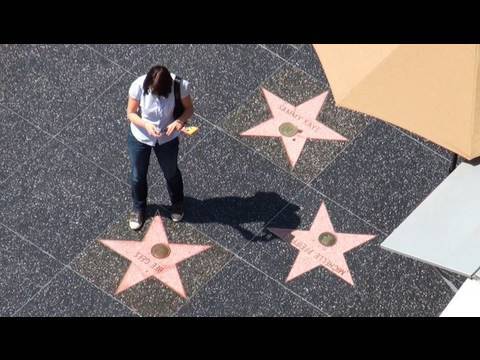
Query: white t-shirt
x,y
156,109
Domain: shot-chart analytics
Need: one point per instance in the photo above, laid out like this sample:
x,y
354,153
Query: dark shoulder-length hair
x,y
158,81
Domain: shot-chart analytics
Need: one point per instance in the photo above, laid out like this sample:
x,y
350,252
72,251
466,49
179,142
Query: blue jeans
x,y
167,156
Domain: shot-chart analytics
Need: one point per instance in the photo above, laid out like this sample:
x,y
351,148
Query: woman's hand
x,y
177,125
152,130
132,115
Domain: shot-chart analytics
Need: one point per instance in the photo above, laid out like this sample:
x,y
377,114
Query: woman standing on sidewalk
x,y
154,96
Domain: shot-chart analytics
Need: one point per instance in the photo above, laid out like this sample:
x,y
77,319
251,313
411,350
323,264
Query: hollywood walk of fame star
x,y
321,246
153,256
294,124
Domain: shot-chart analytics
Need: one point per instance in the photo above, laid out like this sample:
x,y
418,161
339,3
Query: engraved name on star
x,y
154,257
294,124
321,246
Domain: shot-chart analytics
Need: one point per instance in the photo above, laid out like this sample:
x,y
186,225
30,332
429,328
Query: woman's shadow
x,y
240,213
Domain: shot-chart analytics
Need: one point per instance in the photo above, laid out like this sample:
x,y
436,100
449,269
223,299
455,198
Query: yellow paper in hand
x,y
190,130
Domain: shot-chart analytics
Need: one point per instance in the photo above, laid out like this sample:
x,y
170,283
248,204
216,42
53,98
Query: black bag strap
x,y
178,111
176,88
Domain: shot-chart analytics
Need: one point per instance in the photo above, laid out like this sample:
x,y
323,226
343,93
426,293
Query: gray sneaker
x,y
177,212
136,220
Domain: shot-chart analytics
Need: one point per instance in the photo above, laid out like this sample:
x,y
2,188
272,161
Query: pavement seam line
x,y
276,54
350,143
23,238
402,132
189,300
183,156
84,157
40,290
298,48
452,287
110,60
285,287
103,291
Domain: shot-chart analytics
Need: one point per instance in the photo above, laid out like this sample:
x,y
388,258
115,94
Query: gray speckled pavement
x,y
64,185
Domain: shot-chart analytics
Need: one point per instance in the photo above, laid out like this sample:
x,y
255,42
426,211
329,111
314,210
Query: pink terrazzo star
x,y
294,124
153,256
321,246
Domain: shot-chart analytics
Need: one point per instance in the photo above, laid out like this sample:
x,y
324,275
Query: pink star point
x,y
144,265
312,253
303,117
